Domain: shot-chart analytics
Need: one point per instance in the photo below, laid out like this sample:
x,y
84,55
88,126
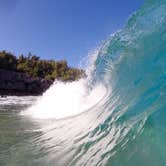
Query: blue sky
x,y
60,29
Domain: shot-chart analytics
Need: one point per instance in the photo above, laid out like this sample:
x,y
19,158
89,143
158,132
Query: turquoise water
x,y
125,128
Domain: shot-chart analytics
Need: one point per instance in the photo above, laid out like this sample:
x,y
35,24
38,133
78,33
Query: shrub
x,y
35,67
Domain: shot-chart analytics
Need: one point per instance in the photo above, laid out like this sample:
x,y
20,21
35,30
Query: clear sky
x,y
60,29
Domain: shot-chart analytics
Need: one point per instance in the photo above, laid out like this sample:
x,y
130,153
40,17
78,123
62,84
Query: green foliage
x,y
7,61
35,67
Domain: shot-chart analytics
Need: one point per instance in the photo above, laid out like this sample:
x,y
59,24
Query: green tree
x,y
7,61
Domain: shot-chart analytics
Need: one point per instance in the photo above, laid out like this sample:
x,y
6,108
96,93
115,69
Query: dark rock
x,y
20,84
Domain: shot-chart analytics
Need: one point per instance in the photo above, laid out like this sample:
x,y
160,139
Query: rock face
x,y
20,84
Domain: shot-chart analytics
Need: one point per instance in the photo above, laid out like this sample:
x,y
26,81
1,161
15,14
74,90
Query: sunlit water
x,y
114,117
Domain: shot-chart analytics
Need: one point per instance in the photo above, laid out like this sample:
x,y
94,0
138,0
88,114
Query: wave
x,y
120,106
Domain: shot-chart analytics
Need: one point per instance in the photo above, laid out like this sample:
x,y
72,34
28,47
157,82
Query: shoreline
x,y
20,84
31,76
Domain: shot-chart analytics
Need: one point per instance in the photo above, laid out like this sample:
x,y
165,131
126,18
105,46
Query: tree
x,y
7,61
35,67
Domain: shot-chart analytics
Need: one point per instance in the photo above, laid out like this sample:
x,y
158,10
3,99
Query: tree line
x,y
33,66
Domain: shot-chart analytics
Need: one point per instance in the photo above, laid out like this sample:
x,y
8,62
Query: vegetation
x,y
36,67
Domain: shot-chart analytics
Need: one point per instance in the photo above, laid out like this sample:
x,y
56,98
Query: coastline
x,y
20,84
31,76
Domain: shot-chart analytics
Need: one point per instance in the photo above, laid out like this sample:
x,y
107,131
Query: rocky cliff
x,y
20,84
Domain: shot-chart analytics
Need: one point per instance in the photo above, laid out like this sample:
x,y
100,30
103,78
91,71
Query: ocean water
x,y
114,117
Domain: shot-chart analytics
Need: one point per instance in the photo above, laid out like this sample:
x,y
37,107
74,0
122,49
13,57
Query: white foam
x,y
66,99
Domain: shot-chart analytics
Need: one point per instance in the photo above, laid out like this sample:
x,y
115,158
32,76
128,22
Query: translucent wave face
x,y
66,99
